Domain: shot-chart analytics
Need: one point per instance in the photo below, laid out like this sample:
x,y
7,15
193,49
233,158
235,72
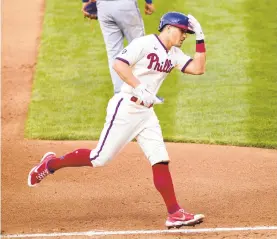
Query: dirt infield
x,y
232,186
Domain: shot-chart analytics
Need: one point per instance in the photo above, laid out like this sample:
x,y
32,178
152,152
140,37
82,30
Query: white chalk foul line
x,y
136,232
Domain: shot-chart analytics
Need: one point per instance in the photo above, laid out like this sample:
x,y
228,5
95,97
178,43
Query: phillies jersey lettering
x,y
161,67
151,62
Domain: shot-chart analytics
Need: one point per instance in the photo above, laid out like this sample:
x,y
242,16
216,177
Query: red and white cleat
x,y
182,218
40,171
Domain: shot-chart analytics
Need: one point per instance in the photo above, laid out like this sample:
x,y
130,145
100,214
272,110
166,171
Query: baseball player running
x,y
143,65
119,19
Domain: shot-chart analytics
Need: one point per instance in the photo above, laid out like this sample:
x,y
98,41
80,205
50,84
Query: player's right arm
x,y
126,59
123,66
123,69
144,96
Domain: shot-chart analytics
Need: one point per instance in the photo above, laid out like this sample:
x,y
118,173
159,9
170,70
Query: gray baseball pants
x,y
118,19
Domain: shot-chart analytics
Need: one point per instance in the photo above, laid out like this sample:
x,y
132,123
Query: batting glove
x,y
144,95
195,26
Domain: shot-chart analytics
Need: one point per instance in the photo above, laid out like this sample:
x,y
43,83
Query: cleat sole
x,y
179,224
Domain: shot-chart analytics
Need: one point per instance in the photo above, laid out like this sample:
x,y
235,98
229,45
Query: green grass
x,y
262,93
72,83
234,102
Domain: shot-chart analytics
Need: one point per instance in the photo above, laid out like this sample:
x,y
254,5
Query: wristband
x,y
200,46
148,1
85,0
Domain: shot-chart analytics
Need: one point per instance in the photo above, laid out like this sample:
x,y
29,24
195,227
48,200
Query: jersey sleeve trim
x,y
121,59
184,67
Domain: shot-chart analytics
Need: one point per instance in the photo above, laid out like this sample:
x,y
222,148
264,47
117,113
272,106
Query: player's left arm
x,y
188,65
197,65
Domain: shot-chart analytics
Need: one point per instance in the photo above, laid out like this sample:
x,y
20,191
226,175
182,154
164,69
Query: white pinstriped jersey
x,y
151,61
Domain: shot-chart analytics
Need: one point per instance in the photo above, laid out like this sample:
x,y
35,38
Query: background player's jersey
x,y
151,61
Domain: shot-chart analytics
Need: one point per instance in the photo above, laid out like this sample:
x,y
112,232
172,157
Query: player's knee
x,y
100,162
158,157
100,158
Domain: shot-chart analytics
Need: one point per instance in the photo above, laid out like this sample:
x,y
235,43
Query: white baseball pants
x,y
125,121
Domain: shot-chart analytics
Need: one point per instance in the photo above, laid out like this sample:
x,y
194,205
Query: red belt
x,y
135,99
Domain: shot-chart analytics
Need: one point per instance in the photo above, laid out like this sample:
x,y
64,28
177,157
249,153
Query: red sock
x,y
163,183
77,158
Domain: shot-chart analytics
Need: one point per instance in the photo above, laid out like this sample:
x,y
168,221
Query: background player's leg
x,y
132,23
113,37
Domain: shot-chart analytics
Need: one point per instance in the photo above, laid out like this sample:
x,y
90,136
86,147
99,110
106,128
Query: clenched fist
x,y
145,96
